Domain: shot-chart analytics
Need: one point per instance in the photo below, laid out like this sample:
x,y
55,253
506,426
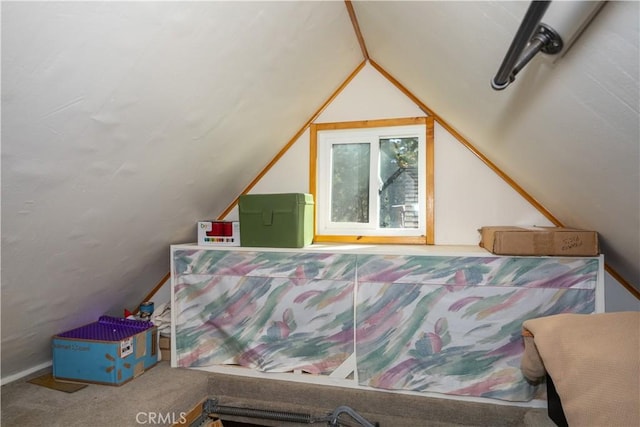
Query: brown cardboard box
x,y
554,241
165,342
165,347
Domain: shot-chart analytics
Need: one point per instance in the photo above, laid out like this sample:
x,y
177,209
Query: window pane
x,y
399,177
350,183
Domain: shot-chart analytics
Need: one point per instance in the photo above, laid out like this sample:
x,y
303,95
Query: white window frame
x,y
326,139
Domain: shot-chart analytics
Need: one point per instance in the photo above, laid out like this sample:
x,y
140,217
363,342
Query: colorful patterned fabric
x,y
453,324
269,311
422,323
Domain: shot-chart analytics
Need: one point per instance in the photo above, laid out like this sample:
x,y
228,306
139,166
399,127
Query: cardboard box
x,y
110,351
164,342
551,241
276,220
219,233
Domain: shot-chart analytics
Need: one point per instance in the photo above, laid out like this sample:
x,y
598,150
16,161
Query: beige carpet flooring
x,y
157,395
386,408
162,394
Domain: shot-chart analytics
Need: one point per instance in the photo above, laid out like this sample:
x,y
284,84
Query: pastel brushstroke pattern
x,y
453,324
528,272
265,310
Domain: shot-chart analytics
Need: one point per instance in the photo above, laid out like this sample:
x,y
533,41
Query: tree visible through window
x,y
371,180
399,197
350,183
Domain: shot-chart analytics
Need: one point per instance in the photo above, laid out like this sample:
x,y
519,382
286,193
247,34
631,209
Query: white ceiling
x,y
568,132
123,123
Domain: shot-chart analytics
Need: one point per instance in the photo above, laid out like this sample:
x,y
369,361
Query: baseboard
x,y
23,374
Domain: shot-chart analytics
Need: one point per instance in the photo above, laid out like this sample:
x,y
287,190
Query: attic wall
x,y
566,130
123,124
118,120
616,297
468,195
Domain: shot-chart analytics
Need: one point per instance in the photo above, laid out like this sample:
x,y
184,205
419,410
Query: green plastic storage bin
x,y
276,220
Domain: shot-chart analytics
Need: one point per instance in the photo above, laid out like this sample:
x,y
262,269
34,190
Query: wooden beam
x,y
385,240
623,282
356,28
626,284
470,146
292,141
313,173
430,187
266,168
361,124
150,295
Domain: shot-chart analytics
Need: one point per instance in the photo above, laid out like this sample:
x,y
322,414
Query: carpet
x,y
160,396
377,406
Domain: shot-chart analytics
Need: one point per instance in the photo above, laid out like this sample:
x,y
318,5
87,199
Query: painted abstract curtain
x,y
453,324
441,324
269,311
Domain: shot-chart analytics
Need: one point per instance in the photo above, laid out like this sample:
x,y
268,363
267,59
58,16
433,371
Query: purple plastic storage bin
x,y
108,329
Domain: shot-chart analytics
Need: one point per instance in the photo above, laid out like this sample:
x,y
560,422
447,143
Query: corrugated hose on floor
x,y
211,407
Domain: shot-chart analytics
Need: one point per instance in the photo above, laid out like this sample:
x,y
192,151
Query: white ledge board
x,y
363,249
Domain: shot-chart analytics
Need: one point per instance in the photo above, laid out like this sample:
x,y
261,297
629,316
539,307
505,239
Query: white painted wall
x,y
468,194
123,124
616,297
566,130
369,96
118,119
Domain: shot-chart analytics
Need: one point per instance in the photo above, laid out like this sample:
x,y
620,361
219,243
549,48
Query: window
x,y
373,181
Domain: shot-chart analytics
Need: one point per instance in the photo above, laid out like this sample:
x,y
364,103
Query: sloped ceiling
x,y
568,131
123,123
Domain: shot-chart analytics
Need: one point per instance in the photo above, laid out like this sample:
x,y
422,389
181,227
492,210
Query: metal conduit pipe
x,y
520,41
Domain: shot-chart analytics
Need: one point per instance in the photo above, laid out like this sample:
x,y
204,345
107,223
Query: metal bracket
x,y
551,40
